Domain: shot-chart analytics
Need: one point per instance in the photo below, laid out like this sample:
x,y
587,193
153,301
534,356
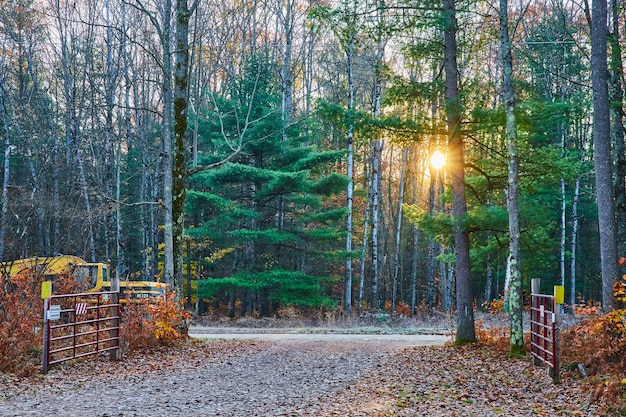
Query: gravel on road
x,y
295,378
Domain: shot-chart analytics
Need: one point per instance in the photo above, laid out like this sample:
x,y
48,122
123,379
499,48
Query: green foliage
x,y
284,287
329,185
403,129
272,211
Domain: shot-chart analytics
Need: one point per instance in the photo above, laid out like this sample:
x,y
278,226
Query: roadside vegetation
x,y
146,325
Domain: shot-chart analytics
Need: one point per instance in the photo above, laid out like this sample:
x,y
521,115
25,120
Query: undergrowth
x,y
144,326
158,323
597,346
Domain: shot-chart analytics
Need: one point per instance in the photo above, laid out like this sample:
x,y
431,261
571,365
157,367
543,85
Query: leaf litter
x,y
255,378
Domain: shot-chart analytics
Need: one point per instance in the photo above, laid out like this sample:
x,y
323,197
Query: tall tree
x,y
5,133
350,49
397,248
616,92
465,330
514,273
181,100
603,160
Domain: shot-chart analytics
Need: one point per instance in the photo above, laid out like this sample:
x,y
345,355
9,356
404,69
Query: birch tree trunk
x,y
350,51
465,330
582,134
376,173
46,246
91,244
572,299
396,259
366,222
562,245
7,169
168,154
513,263
377,169
489,274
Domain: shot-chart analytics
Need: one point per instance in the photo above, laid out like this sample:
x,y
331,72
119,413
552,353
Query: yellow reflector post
x,y
46,289
559,294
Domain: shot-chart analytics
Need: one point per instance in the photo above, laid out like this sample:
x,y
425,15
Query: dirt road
x,y
295,375
396,340
295,372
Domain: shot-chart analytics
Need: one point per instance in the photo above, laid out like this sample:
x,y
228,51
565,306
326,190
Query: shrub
x,y
144,325
160,323
599,343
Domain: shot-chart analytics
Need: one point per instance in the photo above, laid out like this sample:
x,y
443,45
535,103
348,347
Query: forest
x,y
261,154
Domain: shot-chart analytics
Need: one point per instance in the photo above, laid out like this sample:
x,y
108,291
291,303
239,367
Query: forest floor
x,y
292,378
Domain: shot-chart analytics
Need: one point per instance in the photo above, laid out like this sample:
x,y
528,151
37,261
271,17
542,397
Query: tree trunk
x,y
6,171
112,168
350,187
396,259
376,173
489,273
415,247
513,266
376,181
431,266
181,100
617,131
168,155
91,244
602,153
465,331
572,299
366,222
562,245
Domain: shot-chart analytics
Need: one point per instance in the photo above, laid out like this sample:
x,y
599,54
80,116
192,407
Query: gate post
x,y
114,355
559,295
535,288
46,293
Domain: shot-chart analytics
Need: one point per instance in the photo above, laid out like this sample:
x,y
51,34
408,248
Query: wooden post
x,y
114,299
535,288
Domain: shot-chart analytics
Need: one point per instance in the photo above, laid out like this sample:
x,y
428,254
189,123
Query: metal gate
x,y
544,330
78,325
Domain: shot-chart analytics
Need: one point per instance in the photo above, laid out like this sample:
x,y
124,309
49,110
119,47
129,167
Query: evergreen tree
x,y
257,257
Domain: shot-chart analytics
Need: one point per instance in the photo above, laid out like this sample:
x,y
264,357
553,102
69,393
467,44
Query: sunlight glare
x,y
437,160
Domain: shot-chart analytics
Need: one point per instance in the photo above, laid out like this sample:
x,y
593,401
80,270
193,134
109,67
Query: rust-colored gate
x,y
78,325
544,330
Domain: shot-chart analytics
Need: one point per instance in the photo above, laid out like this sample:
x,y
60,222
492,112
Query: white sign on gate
x,y
54,312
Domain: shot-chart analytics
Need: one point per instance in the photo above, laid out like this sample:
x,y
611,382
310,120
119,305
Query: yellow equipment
x,y
91,276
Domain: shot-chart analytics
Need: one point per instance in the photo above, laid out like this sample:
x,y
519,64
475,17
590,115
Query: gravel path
x,y
393,340
233,379
296,378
